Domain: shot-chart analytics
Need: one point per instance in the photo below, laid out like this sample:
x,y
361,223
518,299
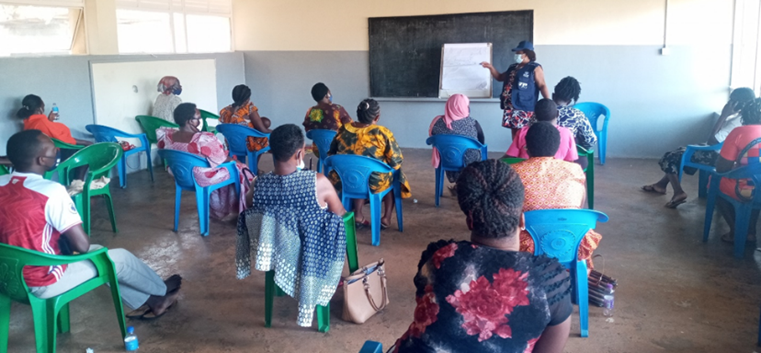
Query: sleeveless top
x,y
288,232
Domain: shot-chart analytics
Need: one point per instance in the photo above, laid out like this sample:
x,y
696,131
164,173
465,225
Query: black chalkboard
x,y
405,52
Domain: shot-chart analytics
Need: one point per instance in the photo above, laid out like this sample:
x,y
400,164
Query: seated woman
x,y
456,121
168,99
366,138
565,95
224,203
293,211
552,183
546,111
244,112
671,162
730,158
484,295
33,113
325,115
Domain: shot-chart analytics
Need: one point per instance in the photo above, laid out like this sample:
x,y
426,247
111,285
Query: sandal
x,y
651,188
751,238
362,224
673,203
150,316
139,312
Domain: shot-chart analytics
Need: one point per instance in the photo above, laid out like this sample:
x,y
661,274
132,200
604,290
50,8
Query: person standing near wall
x,y
524,80
168,100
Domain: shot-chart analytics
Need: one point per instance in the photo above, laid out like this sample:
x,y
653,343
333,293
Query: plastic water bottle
x,y
130,342
608,302
55,110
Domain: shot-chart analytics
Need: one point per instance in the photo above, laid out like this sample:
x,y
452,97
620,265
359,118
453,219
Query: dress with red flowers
x,y
476,298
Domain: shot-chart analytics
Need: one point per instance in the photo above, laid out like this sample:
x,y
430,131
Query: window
x,y
174,26
746,58
29,29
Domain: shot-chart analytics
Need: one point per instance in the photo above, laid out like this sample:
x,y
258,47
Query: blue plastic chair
x,y
593,111
354,172
743,208
181,164
109,134
371,347
236,136
558,233
322,138
451,150
703,170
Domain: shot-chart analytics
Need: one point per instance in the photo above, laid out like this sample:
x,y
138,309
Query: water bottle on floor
x,y
608,302
130,342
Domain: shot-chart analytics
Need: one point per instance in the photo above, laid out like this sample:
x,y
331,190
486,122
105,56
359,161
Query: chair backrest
x,y
4,170
322,138
558,233
205,114
66,146
751,170
452,148
99,158
237,135
151,123
593,111
512,160
355,171
12,262
104,133
181,164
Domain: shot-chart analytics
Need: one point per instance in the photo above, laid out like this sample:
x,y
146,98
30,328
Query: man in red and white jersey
x,y
38,214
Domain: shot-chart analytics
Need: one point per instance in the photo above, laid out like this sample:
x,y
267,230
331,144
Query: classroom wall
x,y
65,80
611,46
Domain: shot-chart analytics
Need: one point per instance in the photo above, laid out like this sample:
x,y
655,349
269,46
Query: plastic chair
x,y
208,115
593,111
703,169
322,138
109,134
743,209
236,136
66,146
4,170
452,148
181,164
50,315
558,233
371,347
271,290
151,123
590,173
354,172
100,158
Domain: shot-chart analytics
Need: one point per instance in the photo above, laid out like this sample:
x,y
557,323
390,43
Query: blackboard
x,y
405,52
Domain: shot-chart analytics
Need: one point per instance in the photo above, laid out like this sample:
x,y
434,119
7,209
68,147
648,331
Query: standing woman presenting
x,y
523,82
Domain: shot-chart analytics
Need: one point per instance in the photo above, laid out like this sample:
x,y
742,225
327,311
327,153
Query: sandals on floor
x,y
674,203
362,225
732,239
139,312
651,189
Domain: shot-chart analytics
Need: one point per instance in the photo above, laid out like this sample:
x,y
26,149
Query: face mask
x,y
177,91
330,99
518,58
301,165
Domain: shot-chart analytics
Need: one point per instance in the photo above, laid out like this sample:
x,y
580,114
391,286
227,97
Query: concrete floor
x,y
675,294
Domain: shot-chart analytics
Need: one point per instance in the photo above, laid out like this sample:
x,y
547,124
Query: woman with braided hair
x,y
484,294
730,158
366,138
565,95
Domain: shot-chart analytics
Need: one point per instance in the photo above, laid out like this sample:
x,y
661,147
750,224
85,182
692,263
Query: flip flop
x,y
384,226
651,189
139,312
673,203
362,225
732,240
150,316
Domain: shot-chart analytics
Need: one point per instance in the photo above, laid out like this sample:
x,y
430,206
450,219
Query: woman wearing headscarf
x,y
524,80
244,112
456,121
168,100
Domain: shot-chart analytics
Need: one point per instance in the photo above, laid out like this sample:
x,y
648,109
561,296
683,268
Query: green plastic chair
x,y
66,146
589,171
150,124
50,315
208,115
99,158
4,170
271,290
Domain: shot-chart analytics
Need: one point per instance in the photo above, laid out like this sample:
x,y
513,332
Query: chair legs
x,y
323,318
591,182
64,323
111,213
582,296
376,203
702,184
742,220
122,169
177,200
202,199
5,321
439,184
44,327
602,145
269,297
398,204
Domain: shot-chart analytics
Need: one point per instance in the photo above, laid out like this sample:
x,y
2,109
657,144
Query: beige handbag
x,y
365,292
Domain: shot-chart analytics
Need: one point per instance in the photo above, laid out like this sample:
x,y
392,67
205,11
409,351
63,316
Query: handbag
x,y
365,292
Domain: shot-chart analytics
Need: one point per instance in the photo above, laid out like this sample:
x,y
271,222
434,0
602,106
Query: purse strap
x,y
370,298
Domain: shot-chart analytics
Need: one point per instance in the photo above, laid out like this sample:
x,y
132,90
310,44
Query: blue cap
x,y
524,45
130,330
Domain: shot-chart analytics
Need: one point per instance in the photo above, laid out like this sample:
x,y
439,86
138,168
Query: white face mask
x,y
301,165
518,58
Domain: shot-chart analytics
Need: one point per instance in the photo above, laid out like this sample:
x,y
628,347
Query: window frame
x,y
78,26
738,46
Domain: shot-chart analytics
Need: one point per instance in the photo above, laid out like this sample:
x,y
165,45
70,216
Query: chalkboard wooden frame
x,y
405,52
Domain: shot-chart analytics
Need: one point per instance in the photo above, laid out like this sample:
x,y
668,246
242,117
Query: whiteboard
x,y
123,90
461,70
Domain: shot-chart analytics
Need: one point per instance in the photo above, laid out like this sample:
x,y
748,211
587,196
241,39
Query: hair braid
x,y
751,112
367,111
490,193
568,89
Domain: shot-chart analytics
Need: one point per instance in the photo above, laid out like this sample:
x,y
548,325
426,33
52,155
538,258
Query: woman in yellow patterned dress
x,y
366,138
244,112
